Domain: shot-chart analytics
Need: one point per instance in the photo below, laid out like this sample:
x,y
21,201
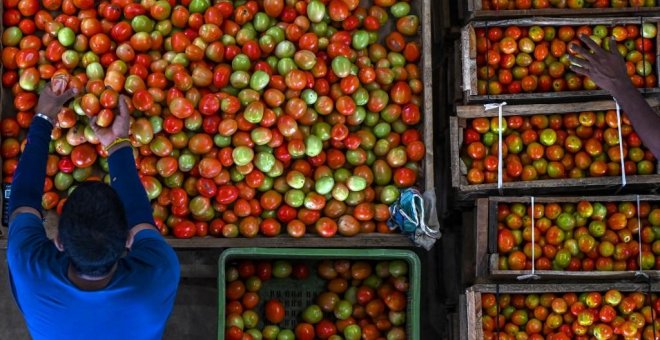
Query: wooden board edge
x,y
427,78
454,145
478,111
529,288
479,14
283,241
573,199
481,231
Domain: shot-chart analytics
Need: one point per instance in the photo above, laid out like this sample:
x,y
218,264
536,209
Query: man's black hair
x,y
93,228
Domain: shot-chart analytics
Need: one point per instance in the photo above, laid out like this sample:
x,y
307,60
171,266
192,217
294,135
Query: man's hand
x,y
51,103
606,68
119,128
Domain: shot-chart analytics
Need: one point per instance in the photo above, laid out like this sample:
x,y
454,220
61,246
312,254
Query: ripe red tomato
x,y
274,310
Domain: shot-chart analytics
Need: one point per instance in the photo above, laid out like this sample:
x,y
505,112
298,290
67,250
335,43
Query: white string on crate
x,y
639,272
532,275
498,106
618,120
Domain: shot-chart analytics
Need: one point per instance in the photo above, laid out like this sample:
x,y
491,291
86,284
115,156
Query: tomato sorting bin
x,y
298,294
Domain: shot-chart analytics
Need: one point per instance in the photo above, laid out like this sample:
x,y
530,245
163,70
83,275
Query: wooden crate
x,y
469,62
475,11
485,230
374,240
608,184
473,295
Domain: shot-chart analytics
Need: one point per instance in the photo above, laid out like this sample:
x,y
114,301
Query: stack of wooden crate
x,y
485,264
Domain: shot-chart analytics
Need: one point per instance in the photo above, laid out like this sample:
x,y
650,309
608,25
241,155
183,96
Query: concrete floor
x,y
195,311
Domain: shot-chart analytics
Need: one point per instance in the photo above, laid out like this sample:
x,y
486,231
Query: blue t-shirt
x,y
134,305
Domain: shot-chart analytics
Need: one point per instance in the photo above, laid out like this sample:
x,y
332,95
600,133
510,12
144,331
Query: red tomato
x,y
274,310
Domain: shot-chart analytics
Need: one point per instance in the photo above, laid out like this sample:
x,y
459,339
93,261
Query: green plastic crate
x,y
296,294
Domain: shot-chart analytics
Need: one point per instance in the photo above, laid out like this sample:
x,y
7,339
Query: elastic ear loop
x,y
640,271
498,106
532,275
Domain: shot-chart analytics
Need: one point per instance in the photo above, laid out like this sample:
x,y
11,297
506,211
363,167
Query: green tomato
x,y
199,6
282,269
63,181
261,22
241,62
389,194
264,161
95,71
242,155
340,192
239,79
270,332
312,314
309,96
360,39
315,11
313,146
66,36
259,80
341,66
186,162
285,65
400,9
324,185
295,198
142,23
285,49
286,334
356,183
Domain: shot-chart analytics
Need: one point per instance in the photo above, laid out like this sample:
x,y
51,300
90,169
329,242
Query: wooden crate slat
x,y
474,327
486,248
469,65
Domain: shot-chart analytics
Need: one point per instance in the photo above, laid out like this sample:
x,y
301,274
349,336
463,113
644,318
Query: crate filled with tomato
x,y
528,59
318,294
554,147
248,117
482,9
601,237
569,311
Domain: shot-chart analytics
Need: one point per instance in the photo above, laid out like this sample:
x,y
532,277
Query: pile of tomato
x,y
361,300
570,4
601,236
248,117
516,59
571,145
589,315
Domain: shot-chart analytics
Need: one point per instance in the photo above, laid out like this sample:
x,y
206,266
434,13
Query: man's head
x,y
93,230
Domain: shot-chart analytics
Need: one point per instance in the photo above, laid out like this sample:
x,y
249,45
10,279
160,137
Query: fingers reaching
x,y
68,94
92,123
123,106
582,52
580,70
590,43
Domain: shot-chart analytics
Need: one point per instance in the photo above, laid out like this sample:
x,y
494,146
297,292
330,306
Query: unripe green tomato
x,y
324,185
389,194
242,155
261,22
341,66
356,183
259,80
315,11
340,192
285,49
239,79
66,36
63,181
400,9
142,23
264,161
313,146
294,197
285,65
309,96
360,40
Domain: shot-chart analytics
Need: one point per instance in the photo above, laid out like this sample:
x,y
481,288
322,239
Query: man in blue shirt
x,y
84,284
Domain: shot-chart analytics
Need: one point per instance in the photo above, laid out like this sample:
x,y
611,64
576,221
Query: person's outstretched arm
x,y
123,173
28,181
608,70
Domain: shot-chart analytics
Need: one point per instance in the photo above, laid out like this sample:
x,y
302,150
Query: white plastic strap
x,y
618,120
498,106
532,275
639,272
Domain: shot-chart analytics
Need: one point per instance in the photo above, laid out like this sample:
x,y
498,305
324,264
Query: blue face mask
x,y
408,214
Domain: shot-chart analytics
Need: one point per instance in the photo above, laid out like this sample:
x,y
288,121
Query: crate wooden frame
x,y
475,11
485,230
457,124
473,314
469,64
373,240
